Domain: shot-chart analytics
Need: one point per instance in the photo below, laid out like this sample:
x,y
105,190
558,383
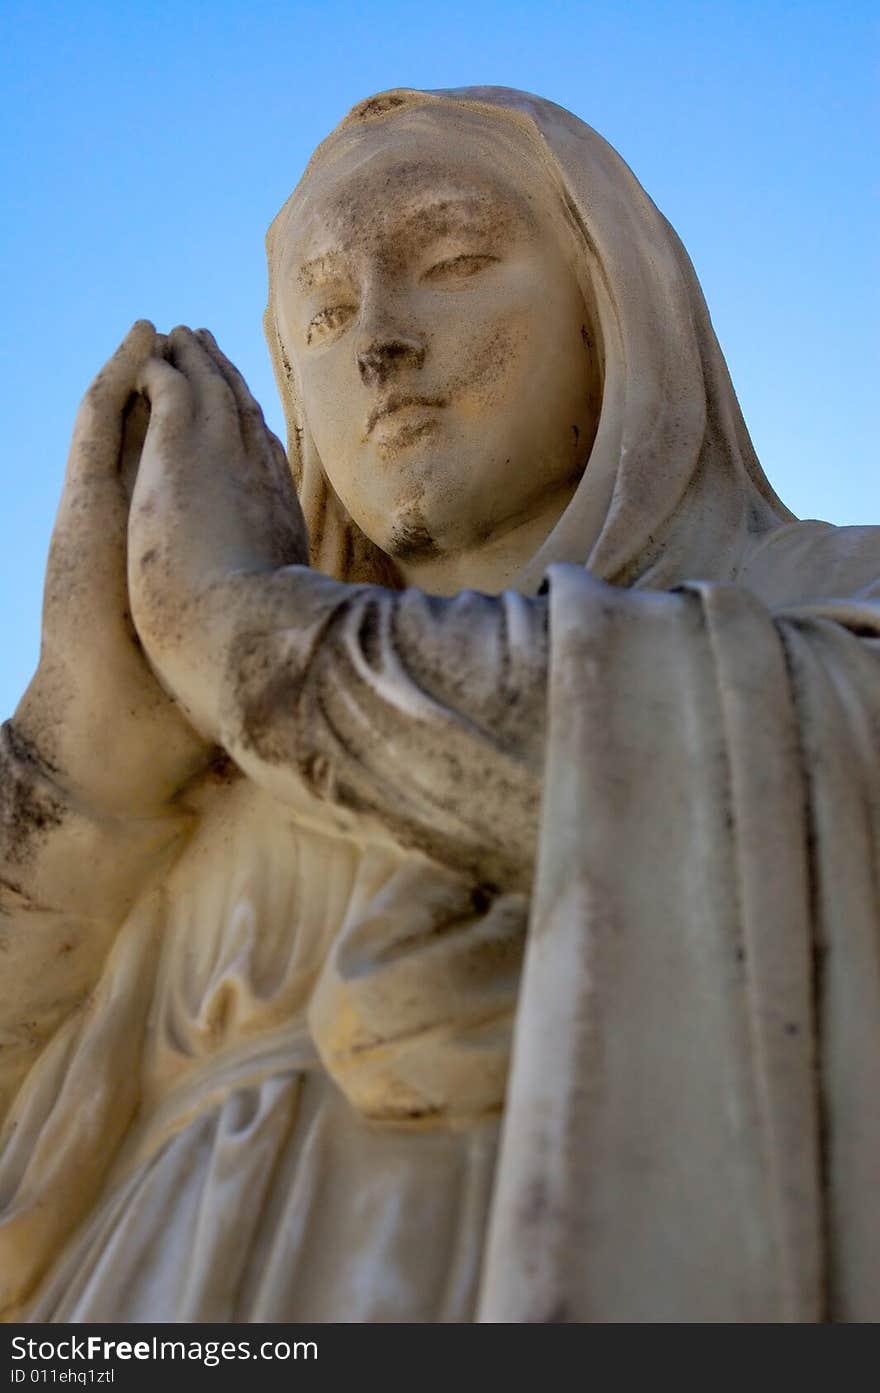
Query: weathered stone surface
x,y
439,864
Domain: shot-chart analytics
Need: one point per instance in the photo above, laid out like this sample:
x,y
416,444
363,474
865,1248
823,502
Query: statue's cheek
x,y
489,368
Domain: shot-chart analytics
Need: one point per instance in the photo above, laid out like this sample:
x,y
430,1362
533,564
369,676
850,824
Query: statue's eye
x,y
458,268
331,320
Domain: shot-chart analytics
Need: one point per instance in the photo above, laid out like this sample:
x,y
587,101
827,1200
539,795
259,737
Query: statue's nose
x,y
383,358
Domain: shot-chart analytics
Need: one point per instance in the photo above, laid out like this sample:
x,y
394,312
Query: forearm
x,y
59,854
425,713
68,876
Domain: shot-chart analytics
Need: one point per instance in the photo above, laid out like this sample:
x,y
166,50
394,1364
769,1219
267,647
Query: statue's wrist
x,y
98,753
58,852
63,787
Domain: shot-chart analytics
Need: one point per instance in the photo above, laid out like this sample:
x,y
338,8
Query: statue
x,y
440,873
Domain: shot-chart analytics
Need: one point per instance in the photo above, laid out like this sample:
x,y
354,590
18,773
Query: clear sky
x,y
147,145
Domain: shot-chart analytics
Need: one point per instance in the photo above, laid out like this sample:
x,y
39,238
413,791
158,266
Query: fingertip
x,y
139,339
161,383
197,358
186,346
176,339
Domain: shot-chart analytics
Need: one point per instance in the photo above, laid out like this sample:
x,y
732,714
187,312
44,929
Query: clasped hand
x,y
142,592
214,512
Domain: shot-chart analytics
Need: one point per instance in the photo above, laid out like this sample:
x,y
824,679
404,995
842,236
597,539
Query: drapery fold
x,y
691,1124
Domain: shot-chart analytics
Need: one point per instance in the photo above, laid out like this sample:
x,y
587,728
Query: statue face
x,y
428,301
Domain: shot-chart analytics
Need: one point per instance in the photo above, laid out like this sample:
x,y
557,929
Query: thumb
x,y
168,393
97,431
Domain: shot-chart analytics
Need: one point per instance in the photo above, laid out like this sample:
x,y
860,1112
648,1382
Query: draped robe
x,y
691,1123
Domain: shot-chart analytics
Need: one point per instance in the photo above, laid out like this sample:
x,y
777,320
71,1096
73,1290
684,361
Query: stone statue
x,y
446,889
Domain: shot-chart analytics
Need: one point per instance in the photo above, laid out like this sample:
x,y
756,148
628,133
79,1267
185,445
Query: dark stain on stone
x,y
222,769
376,106
28,806
411,540
482,897
369,636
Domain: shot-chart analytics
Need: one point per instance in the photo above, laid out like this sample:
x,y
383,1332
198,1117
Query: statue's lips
x,y
400,402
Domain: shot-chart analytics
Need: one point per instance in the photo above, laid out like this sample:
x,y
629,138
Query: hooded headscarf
x,y
670,427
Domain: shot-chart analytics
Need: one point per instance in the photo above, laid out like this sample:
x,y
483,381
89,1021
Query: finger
x,y
211,392
237,384
259,442
97,431
255,433
280,455
135,422
253,425
93,504
287,486
167,390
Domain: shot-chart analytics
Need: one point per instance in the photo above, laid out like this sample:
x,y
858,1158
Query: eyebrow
x,y
319,269
438,215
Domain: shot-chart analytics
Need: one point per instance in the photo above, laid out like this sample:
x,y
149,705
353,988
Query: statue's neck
x,y
495,564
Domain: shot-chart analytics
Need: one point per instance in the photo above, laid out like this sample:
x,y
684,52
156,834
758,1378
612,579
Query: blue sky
x,y
148,145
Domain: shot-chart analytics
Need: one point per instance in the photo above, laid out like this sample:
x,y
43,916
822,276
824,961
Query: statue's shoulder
x,y
812,560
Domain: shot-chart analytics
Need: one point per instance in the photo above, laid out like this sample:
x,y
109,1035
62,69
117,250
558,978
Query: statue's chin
x,y
411,539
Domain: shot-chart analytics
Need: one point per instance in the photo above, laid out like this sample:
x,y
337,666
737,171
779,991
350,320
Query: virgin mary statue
x,y
471,913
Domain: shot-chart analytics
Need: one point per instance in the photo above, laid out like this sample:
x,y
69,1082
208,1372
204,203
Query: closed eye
x,y
326,322
458,267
